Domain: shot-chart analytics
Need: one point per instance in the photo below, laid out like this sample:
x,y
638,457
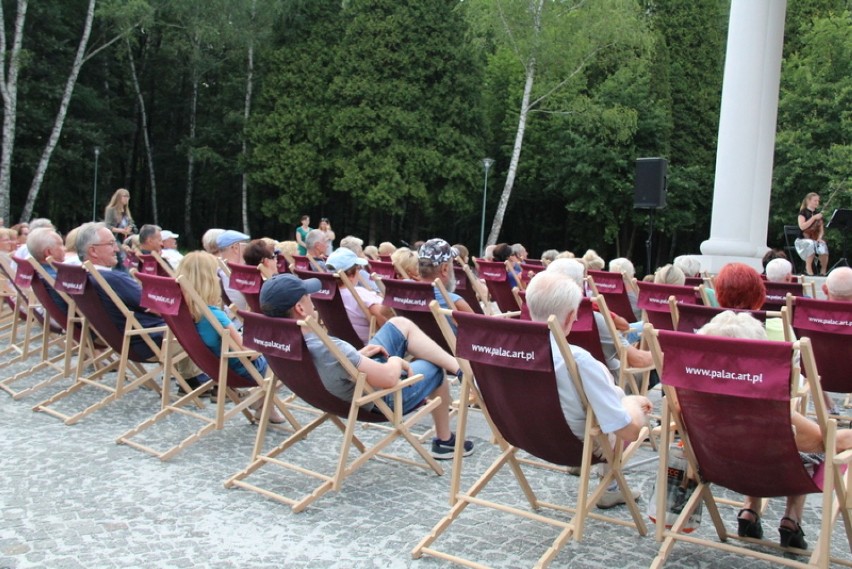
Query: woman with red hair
x,y
739,286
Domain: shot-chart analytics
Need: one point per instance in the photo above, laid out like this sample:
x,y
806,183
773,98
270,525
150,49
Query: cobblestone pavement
x,y
70,497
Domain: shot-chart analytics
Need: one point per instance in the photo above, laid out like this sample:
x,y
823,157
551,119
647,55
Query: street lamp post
x,y
486,163
95,185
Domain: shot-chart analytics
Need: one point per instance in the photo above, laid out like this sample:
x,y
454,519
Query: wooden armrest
x,y
380,393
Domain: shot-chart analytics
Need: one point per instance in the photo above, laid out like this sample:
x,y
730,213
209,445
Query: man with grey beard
x,y
436,262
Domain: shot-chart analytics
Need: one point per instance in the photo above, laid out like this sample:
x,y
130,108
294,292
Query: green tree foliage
x,y
814,140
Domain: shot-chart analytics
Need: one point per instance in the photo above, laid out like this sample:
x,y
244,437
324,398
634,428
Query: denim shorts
x,y
392,340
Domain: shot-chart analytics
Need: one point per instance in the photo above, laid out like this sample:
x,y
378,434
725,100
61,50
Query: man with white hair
x,y
628,272
553,293
575,270
356,245
23,251
316,243
689,264
779,271
838,285
44,242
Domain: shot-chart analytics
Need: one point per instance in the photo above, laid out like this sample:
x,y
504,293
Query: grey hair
x,y
571,268
593,260
313,237
624,266
41,223
778,269
40,240
689,264
354,244
730,324
147,231
549,255
551,292
208,240
87,234
669,274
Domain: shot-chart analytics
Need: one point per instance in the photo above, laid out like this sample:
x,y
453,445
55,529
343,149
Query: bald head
x,y
838,285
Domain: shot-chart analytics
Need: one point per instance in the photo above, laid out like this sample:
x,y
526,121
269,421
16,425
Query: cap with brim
x,y
344,259
166,234
282,292
230,237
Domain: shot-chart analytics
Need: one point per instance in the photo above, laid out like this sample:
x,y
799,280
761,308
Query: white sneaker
x,y
613,498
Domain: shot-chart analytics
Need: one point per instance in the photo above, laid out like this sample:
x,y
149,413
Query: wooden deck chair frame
x,y
594,437
777,292
153,264
496,279
654,300
70,322
834,482
29,314
353,412
342,280
612,287
469,291
120,352
182,330
626,372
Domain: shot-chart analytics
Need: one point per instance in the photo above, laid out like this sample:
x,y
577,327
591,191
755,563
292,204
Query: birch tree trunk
x,y
190,158
149,152
530,65
79,59
9,91
246,114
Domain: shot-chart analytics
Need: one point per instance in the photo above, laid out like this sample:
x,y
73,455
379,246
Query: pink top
x,y
356,315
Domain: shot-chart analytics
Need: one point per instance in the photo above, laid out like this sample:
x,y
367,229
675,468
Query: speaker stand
x,y
649,243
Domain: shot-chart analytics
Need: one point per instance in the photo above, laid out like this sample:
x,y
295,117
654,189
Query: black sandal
x,y
747,527
792,537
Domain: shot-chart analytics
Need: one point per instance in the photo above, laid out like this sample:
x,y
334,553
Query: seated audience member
x,y
71,256
372,253
520,252
208,240
405,260
739,286
779,271
628,272
593,261
170,252
502,253
150,239
566,255
199,269
689,265
22,230
258,253
317,246
96,243
669,274
838,285
8,240
348,263
806,432
550,292
549,256
45,243
22,252
574,269
773,254
382,360
288,248
230,243
488,254
435,260
356,245
463,254
386,248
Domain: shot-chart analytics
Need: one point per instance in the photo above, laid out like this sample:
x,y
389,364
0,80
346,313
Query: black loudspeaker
x,y
650,190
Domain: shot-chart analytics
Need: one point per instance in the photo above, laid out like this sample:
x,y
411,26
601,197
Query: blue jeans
x,y
394,342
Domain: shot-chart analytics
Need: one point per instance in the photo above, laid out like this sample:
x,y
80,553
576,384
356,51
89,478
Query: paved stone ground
x,y
70,497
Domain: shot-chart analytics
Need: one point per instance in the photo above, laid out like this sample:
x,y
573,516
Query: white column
x,y
746,134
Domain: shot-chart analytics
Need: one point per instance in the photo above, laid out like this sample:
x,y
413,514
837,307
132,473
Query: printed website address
x,y
725,374
829,321
503,352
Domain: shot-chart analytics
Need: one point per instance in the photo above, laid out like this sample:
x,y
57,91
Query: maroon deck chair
x,y
529,269
465,289
654,302
611,287
714,379
829,326
27,313
153,264
497,280
282,264
691,317
170,298
411,299
512,363
776,294
247,280
305,263
332,312
693,281
131,259
383,269
82,284
283,344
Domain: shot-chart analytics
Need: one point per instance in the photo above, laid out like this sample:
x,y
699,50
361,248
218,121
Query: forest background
x,y
377,114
